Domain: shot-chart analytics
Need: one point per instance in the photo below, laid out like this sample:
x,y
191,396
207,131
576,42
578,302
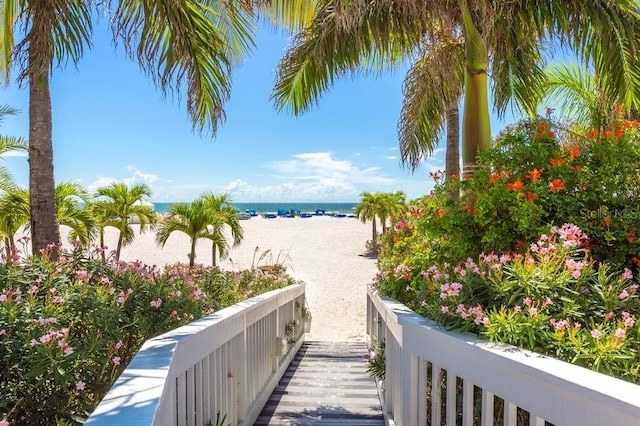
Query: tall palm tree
x,y
181,45
122,204
191,219
503,37
224,215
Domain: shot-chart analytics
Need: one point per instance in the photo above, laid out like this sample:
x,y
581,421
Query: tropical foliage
x,y
206,217
539,250
68,328
359,36
379,206
122,205
190,46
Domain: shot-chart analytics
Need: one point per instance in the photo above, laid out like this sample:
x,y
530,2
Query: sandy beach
x,y
327,253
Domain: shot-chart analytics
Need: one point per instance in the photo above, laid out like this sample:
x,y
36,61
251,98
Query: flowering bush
x,y
507,255
68,328
531,180
553,299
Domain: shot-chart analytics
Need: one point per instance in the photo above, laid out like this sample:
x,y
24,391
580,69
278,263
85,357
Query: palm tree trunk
x,y
7,247
119,246
44,226
213,254
104,258
452,156
192,254
374,231
476,125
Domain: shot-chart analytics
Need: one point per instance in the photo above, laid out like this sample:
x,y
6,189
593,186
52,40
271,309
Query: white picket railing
x,y
472,377
225,364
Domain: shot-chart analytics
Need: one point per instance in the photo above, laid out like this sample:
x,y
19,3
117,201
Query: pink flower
x,y
4,422
486,321
197,293
116,360
68,350
3,297
34,342
80,385
517,308
596,334
527,301
627,274
156,303
3,332
533,311
609,315
623,295
620,333
444,309
119,345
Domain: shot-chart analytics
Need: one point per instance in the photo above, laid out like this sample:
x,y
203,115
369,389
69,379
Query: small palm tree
x,y
122,204
15,212
223,214
70,213
392,205
369,209
8,144
191,219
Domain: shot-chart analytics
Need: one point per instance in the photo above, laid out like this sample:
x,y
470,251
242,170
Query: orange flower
x,y
593,134
439,213
535,174
467,208
608,134
619,134
517,185
454,177
530,196
494,178
556,185
607,222
577,167
557,161
574,152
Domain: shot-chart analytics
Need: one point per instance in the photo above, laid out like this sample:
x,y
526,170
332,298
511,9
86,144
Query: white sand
x,y
327,253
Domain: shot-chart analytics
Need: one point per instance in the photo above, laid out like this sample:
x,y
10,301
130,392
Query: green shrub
x,y
69,328
476,262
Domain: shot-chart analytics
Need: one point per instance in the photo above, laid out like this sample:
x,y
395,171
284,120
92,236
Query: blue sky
x,y
110,123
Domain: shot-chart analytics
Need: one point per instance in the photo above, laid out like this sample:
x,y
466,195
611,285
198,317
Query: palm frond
x,y
180,46
431,86
334,44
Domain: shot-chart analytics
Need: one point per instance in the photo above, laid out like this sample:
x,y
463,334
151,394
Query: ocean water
x,y
261,208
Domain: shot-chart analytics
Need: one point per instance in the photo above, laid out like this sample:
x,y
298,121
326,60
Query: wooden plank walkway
x,y
326,384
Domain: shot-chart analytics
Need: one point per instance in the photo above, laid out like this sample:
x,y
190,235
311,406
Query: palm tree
x,y
505,38
181,45
581,97
15,212
369,208
122,204
8,144
223,214
393,204
191,219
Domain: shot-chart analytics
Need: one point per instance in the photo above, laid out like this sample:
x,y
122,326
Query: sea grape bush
x,y
68,328
538,250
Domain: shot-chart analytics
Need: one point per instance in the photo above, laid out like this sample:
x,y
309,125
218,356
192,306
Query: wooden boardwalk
x,y
326,384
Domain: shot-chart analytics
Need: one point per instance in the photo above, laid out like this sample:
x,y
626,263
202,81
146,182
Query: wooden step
x,y
326,384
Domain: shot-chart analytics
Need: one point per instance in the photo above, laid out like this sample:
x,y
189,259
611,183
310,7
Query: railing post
x,y
242,380
409,364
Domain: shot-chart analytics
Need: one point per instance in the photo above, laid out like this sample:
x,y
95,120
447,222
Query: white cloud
x,y
391,157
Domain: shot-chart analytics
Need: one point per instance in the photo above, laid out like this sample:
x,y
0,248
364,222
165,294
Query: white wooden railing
x,y
474,379
227,363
